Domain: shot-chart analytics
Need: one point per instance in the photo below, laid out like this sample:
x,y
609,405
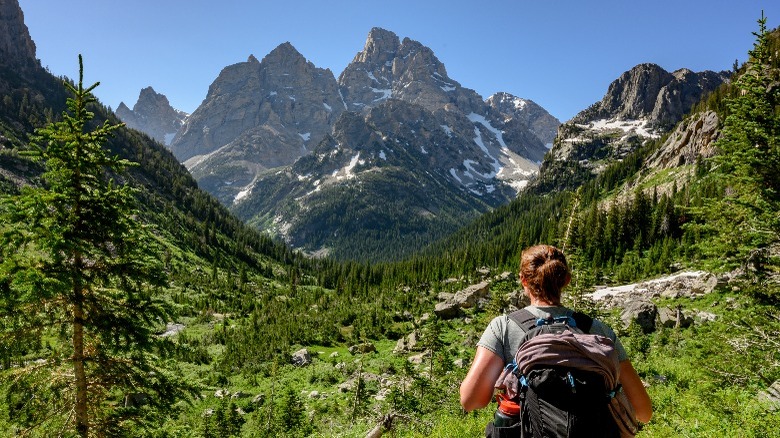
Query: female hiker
x,y
543,274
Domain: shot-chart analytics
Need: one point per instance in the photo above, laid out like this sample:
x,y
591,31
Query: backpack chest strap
x,y
527,320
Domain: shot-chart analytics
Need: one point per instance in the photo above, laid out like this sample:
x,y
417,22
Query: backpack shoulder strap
x,y
524,318
583,321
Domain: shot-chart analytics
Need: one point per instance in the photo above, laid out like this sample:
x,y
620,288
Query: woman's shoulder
x,y
600,327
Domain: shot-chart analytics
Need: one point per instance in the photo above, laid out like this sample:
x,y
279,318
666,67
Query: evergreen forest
x,y
133,304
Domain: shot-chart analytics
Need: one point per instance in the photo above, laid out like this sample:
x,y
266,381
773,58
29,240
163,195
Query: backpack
x,y
565,381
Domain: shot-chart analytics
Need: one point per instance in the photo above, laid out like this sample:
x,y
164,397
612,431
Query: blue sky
x,y
563,54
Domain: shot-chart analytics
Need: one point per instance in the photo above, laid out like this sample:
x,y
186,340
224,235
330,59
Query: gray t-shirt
x,y
502,336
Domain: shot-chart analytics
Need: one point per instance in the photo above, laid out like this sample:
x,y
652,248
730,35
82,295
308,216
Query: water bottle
x,y
508,412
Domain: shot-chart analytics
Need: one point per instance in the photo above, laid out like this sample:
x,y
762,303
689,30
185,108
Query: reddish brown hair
x,y
545,272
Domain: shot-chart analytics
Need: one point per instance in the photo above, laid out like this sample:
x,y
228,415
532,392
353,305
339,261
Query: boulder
x,y
671,318
301,358
417,359
469,296
643,312
363,348
407,343
771,396
463,299
704,285
447,309
706,316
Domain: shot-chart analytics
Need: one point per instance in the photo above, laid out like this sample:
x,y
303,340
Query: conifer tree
x,y
78,269
744,214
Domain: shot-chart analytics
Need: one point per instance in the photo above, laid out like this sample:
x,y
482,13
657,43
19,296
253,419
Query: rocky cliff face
x,y
153,115
388,68
17,49
642,104
257,115
650,93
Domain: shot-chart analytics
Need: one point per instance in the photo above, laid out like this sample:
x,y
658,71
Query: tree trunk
x,y
82,418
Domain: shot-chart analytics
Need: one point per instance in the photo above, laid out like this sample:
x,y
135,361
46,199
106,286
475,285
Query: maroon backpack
x,y
566,381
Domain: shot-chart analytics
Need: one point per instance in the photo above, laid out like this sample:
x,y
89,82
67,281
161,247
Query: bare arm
x,y
476,390
635,392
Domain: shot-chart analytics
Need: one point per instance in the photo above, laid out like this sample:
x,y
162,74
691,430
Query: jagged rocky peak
x,y
257,115
633,94
17,48
542,124
381,47
407,70
648,92
153,115
284,54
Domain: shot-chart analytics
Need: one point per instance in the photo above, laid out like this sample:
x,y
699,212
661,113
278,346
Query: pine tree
x,y
77,265
744,215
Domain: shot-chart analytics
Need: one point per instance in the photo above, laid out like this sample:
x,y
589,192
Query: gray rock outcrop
x,y
407,343
301,357
649,92
771,396
691,139
463,299
644,313
674,318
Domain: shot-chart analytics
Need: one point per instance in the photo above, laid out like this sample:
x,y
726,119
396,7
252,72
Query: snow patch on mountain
x,y
385,93
639,127
481,144
346,171
477,118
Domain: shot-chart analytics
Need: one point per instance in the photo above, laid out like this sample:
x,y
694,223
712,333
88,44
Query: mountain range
x,y
394,153
393,129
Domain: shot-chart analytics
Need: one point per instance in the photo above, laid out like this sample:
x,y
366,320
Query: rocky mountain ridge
x,y
643,104
154,115
259,116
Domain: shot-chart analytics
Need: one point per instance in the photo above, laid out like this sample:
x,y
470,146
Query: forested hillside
x,y
133,304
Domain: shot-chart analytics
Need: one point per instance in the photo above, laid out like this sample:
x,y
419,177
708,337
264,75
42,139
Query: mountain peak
x,y
152,114
252,59
381,46
16,46
150,98
286,48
